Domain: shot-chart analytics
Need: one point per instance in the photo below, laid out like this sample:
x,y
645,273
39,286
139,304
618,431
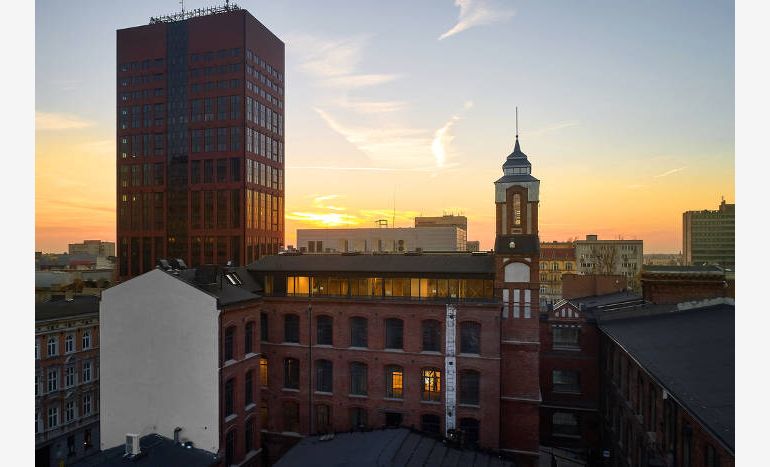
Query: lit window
x,y
394,382
263,371
431,384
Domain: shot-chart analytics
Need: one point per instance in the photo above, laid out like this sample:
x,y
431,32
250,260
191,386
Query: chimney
x,y
132,445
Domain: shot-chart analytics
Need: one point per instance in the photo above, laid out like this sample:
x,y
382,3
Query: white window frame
x,y
69,344
87,407
86,340
53,414
52,343
37,384
87,377
37,348
69,372
54,380
70,411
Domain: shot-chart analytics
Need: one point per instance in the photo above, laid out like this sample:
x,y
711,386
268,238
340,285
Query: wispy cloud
x,y
477,13
373,107
325,219
443,138
335,62
59,121
670,172
320,202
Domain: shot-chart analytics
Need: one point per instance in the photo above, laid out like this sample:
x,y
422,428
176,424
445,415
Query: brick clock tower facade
x,y
517,251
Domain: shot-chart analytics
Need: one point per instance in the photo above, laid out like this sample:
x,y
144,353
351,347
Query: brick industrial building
x,y
443,342
200,131
66,380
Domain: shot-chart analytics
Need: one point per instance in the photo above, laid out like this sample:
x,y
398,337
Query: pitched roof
x,y
58,309
158,451
435,263
389,447
692,355
219,286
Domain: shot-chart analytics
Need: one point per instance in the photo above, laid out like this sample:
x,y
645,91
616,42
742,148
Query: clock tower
x,y
517,251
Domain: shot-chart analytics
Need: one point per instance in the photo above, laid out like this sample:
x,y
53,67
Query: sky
x,y
626,112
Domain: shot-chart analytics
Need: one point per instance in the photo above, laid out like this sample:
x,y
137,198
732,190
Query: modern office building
x,y
385,240
66,380
200,133
93,248
624,257
708,237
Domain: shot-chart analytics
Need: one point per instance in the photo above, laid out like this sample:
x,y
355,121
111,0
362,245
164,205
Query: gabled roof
x,y
380,448
692,355
225,292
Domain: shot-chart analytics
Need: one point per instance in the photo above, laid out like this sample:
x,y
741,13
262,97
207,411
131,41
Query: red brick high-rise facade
x,y
200,140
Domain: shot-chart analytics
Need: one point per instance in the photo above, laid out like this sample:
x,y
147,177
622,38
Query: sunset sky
x,y
626,112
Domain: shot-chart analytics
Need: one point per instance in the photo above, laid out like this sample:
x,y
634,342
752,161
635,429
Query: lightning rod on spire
x,y
517,122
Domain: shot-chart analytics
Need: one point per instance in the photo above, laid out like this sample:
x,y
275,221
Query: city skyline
x,y
648,135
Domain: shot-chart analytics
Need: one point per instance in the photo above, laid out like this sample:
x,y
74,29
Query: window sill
x,y
359,396
289,389
231,417
250,355
431,352
357,347
394,350
469,406
323,393
229,363
290,343
575,392
394,399
567,348
431,402
249,407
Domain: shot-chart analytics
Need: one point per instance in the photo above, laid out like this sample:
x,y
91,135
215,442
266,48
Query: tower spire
x,y
517,122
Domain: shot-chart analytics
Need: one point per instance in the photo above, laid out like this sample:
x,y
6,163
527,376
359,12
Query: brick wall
x,y
576,286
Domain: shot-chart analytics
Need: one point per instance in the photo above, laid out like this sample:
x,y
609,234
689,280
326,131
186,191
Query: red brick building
x,y
200,140
676,284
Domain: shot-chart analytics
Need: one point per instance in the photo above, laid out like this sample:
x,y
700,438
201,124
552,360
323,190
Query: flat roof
x,y
388,447
393,263
61,309
692,355
158,451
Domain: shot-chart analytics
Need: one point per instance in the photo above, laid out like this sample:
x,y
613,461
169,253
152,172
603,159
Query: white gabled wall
x,y
159,361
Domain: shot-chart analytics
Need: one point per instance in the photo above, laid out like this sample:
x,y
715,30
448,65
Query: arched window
x,y
248,338
291,373
291,416
263,327
249,387
469,387
430,423
470,429
53,346
394,333
324,330
394,382
431,384
431,335
516,210
324,375
291,328
359,332
69,343
230,448
229,344
229,396
358,378
470,337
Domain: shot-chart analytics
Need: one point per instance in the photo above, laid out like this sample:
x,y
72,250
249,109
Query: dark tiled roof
x,y
436,263
158,451
606,300
225,292
516,178
692,354
390,447
648,268
524,244
57,309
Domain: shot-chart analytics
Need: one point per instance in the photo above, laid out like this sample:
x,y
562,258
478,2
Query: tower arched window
x,y
516,210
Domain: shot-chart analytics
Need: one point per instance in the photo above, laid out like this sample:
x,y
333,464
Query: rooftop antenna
x,y
181,2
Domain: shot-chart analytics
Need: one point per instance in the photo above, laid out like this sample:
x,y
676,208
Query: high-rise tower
x,y
517,251
200,131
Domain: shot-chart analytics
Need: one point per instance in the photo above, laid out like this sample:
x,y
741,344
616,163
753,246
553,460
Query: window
x,y
230,448
431,336
229,397
69,343
69,411
38,423
53,417
470,334
711,457
324,376
291,373
291,416
86,340
358,418
229,336
469,387
430,423
263,327
291,328
394,382
394,333
248,341
264,414
86,372
555,266
37,349
566,381
87,438
248,438
431,384
37,384
358,378
53,346
323,417
249,387
359,332
324,330
566,337
86,405
53,380
470,430
263,371
69,376
565,424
